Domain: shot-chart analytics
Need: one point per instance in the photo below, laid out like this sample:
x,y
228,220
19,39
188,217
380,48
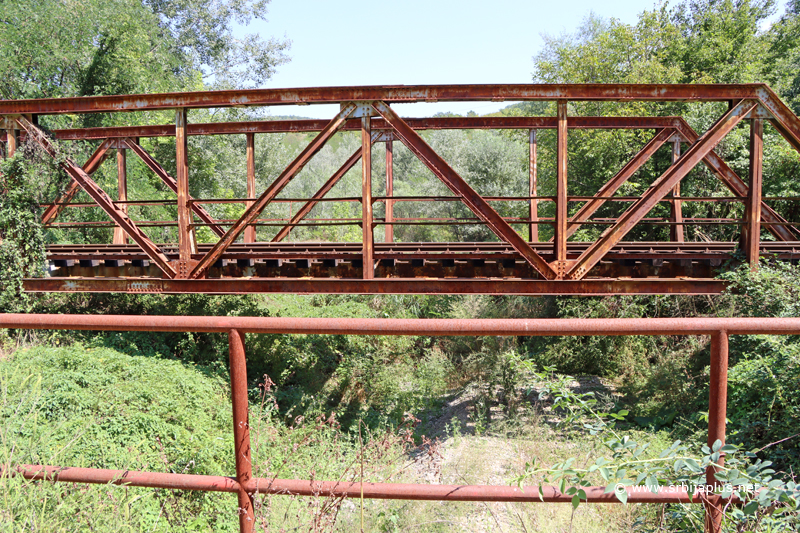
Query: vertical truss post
x,y
676,231
389,218
751,232
560,234
533,205
250,232
717,411
241,428
120,237
366,197
186,243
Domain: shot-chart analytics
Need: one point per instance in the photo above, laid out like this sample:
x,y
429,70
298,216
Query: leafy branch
x,y
743,476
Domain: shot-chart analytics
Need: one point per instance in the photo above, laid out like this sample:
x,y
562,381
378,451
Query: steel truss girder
x,y
326,187
272,191
159,171
660,188
456,183
388,94
73,187
102,199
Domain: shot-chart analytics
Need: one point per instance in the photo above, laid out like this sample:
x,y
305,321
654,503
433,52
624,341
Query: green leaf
x,y
750,508
575,501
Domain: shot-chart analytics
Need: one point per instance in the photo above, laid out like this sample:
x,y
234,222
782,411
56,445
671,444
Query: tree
x,y
695,41
63,48
53,48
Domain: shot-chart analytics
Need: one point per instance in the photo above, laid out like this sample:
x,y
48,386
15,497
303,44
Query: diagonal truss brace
x,y
660,188
72,189
611,187
456,183
325,189
272,191
103,200
159,171
714,163
737,185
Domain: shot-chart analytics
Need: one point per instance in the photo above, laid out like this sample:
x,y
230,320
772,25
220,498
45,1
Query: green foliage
x,y
769,500
600,355
771,291
100,408
765,371
24,183
130,46
694,41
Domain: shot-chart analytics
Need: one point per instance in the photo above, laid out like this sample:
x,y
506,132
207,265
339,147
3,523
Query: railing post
x,y
389,191
120,237
250,231
533,205
366,197
241,428
717,412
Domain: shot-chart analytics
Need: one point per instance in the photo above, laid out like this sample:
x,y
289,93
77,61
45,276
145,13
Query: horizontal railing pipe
x,y
353,489
409,326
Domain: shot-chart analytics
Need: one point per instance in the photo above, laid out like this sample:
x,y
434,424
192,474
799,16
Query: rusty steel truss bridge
x,y
238,262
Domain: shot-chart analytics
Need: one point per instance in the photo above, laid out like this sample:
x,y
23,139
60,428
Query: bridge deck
x,y
454,267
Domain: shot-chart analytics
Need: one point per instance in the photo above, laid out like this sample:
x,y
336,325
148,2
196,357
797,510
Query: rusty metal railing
x,y
246,486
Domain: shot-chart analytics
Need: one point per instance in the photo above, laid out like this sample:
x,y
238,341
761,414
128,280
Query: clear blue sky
x,y
359,42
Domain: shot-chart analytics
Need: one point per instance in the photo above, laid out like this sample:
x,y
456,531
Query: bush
x,y
100,408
